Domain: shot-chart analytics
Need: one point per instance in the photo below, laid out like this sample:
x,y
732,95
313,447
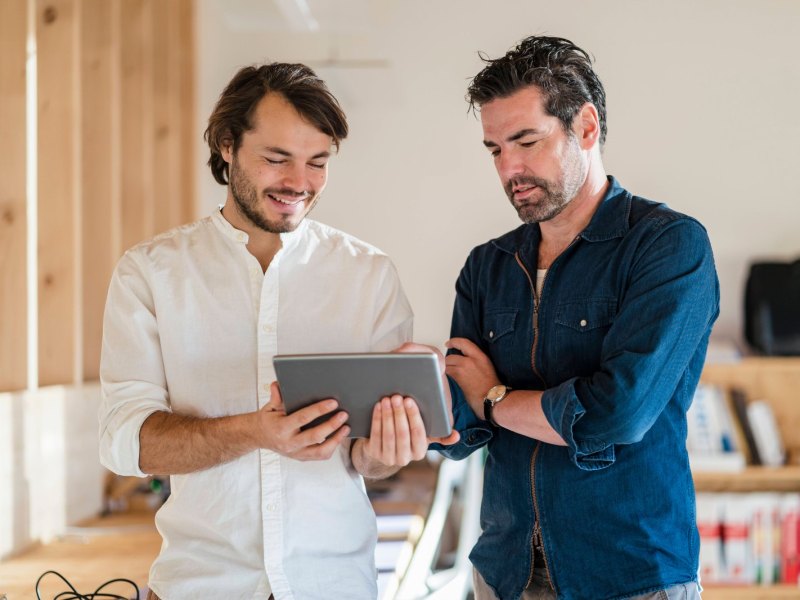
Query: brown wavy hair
x,y
561,70
297,83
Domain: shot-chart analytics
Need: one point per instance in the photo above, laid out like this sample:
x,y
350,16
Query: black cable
x,y
74,594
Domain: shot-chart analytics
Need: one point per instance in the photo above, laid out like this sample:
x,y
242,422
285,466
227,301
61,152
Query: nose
x,y
294,177
509,165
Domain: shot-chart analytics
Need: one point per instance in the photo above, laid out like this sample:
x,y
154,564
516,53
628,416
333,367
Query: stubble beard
x,y
247,201
554,196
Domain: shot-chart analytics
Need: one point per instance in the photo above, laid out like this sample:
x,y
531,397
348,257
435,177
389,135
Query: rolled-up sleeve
x,y
131,368
664,318
474,433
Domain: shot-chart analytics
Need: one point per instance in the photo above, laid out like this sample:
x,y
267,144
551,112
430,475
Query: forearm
x,y
521,412
368,466
172,444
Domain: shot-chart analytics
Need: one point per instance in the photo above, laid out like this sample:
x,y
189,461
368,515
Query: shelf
x,y
751,479
740,592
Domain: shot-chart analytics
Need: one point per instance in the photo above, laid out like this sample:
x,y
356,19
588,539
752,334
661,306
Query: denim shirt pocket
x,y
497,333
580,328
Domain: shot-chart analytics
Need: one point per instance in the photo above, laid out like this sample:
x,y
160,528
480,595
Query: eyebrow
x,y
513,138
282,152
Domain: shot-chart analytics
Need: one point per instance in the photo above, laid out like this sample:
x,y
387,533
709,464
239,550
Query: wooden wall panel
x,y
98,69
186,102
13,220
166,119
115,139
136,192
56,33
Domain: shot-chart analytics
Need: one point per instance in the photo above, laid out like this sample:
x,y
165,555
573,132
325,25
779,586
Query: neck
x,y
264,245
560,231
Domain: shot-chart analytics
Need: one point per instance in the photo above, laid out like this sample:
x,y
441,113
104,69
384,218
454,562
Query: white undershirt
x,y
540,275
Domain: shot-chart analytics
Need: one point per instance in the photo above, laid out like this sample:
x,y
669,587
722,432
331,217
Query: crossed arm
x,y
521,411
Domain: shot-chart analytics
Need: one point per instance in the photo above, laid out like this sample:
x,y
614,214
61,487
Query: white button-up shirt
x,y
191,326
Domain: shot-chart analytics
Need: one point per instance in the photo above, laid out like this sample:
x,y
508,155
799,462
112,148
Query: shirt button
x,y
265,387
271,507
491,334
583,322
266,328
241,237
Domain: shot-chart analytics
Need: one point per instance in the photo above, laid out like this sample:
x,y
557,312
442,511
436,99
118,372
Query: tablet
x,y
359,381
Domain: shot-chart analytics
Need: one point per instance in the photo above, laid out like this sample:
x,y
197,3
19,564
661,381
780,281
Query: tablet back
x,y
359,381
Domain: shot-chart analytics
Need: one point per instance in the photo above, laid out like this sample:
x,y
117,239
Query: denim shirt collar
x,y
608,222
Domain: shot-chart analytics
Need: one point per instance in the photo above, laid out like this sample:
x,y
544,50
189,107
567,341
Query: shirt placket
x,y
266,295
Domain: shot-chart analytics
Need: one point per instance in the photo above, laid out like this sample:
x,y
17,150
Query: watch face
x,y
496,393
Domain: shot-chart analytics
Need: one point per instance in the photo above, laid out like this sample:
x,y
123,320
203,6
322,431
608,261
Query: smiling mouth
x,y
288,202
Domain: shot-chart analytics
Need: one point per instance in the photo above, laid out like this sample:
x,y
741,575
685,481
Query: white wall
x,y
50,475
701,100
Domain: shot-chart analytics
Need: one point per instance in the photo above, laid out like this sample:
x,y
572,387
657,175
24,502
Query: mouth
x,y
523,192
288,200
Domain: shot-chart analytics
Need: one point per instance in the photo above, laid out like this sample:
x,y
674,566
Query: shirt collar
x,y
238,236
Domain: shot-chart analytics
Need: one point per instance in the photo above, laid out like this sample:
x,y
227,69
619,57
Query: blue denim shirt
x,y
623,324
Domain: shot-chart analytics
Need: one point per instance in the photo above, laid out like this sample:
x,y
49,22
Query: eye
x,y
528,144
495,153
272,161
317,165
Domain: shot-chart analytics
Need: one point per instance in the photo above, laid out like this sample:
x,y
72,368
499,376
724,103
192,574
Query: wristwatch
x,y
493,397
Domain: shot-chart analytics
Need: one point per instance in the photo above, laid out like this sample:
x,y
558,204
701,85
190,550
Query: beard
x,y
554,196
248,202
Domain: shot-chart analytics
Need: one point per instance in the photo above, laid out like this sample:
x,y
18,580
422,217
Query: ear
x,y
586,126
226,149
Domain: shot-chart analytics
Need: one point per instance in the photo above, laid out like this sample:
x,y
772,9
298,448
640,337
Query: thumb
x,y
275,400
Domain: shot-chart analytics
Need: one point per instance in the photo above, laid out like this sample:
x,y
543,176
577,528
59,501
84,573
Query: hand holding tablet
x,y
359,381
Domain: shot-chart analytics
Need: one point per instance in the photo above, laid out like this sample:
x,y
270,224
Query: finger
x,y
446,441
463,345
413,347
324,450
304,416
318,434
455,360
387,433
402,431
374,442
275,398
419,442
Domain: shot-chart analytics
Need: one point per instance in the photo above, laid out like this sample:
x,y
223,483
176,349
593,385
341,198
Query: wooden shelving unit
x,y
776,380
751,479
732,592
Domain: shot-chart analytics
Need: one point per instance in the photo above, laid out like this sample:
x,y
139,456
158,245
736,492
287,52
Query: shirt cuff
x,y
563,409
119,435
474,432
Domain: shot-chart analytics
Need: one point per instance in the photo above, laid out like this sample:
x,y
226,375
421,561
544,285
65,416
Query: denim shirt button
x,y
583,322
471,438
491,334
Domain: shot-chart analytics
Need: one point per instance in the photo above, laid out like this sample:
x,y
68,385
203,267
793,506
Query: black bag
x,y
772,308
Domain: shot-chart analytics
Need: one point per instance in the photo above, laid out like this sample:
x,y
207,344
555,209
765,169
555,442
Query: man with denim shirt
x,y
577,343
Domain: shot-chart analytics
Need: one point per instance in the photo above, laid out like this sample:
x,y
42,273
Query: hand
x,y
281,432
473,372
411,347
397,435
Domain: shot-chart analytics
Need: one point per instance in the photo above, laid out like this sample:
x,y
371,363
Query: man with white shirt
x,y
259,508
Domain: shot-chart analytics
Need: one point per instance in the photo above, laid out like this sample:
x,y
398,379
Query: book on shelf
x,y
749,538
765,433
712,440
726,432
